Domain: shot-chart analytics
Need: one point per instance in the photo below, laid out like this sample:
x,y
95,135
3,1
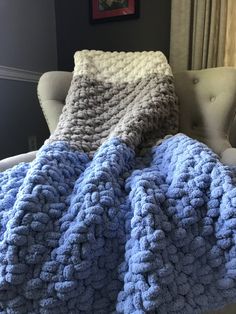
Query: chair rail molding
x,y
17,74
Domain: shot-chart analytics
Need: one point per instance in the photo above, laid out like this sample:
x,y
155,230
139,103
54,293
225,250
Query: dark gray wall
x,y
27,34
74,31
28,42
20,117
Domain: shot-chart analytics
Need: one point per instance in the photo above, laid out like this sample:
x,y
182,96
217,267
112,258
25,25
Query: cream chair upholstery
x,y
52,90
207,107
7,163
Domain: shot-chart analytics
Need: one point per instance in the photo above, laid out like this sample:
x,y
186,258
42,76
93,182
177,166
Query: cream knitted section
x,y
117,67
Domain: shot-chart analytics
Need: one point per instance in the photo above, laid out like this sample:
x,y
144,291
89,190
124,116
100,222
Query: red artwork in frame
x,y
109,10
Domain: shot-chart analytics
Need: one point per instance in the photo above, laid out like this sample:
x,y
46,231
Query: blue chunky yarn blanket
x,y
118,226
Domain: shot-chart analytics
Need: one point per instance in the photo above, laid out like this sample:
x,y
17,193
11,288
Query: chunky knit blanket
x,y
107,219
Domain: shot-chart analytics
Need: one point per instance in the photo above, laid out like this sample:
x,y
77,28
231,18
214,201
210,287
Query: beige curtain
x,y
200,34
230,45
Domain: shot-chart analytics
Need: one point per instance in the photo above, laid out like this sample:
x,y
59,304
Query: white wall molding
x,y
16,74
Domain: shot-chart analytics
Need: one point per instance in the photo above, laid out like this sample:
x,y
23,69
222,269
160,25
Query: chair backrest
x,y
207,103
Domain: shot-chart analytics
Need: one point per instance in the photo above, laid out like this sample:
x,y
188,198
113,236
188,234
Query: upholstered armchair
x,y
207,101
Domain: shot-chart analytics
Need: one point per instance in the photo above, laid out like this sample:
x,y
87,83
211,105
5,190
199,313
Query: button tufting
x,y
213,98
195,81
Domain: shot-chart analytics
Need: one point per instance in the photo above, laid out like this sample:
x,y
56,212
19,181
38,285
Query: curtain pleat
x,y
199,37
222,33
217,34
179,42
230,46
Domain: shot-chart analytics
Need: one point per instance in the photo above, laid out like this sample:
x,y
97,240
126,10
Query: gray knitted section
x,y
139,113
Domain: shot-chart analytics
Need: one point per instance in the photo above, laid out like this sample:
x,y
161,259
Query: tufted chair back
x,y
207,103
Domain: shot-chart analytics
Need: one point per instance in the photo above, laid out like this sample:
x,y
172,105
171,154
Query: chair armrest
x,y
12,161
228,156
52,91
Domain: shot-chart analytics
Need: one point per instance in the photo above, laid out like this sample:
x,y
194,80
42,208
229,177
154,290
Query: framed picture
x,y
111,10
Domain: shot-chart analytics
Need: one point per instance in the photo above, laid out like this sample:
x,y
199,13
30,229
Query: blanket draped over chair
x,y
110,218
